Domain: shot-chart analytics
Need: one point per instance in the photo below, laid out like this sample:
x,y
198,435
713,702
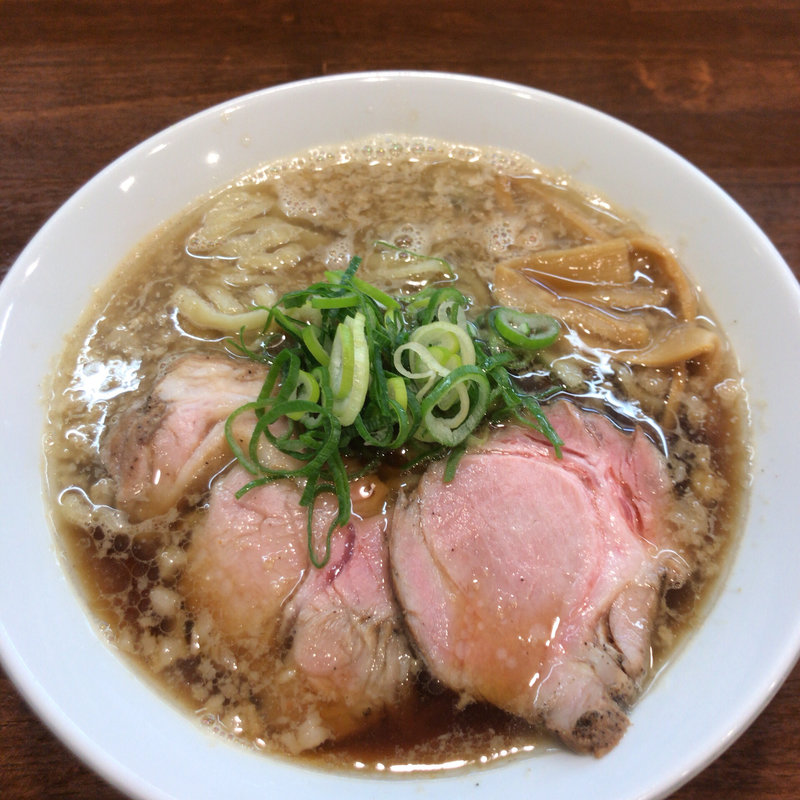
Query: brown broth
x,y
473,209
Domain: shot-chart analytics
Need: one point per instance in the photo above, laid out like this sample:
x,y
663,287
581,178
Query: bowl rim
x,y
38,694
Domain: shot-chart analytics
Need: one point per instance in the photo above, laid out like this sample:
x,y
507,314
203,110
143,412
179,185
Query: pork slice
x,y
246,557
170,445
332,639
348,660
532,582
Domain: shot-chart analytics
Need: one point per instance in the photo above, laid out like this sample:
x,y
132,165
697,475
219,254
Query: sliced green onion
x,y
355,372
307,389
452,431
396,390
447,335
527,331
422,365
342,301
350,390
373,292
310,339
342,361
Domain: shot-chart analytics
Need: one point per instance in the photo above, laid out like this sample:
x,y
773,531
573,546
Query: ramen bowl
x,y
145,745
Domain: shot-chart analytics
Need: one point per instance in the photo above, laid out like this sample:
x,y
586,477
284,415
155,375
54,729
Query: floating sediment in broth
x,y
637,346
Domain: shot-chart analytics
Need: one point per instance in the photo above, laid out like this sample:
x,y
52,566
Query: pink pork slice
x,y
349,653
344,657
531,582
169,446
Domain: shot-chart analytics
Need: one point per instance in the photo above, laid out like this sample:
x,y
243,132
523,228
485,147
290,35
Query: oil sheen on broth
x,y
638,345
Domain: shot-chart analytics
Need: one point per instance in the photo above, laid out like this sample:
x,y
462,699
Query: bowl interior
x,y
123,728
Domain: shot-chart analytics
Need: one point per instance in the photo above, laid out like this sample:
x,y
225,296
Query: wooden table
x,y
717,80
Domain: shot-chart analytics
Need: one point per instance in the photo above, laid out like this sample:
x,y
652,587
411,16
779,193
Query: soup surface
x,y
637,347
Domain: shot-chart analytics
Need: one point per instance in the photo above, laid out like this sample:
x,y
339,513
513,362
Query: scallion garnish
x,y
528,331
359,373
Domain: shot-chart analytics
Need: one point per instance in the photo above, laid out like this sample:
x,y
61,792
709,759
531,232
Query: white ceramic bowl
x,y
138,741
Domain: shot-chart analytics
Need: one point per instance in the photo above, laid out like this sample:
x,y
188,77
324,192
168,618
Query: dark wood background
x,y
716,80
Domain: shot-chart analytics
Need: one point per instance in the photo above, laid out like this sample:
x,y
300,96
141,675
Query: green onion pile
x,y
355,372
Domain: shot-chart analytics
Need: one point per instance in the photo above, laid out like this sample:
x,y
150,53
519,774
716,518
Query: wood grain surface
x,y
717,80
